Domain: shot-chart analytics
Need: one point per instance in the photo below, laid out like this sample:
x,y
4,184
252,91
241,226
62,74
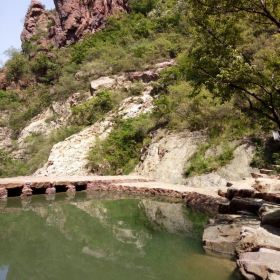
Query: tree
x,y
236,53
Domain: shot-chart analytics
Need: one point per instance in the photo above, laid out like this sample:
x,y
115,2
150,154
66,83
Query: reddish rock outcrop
x,y
71,20
38,25
78,18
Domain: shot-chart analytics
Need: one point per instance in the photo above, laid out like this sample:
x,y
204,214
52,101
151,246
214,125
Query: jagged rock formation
x,y
40,23
78,18
71,20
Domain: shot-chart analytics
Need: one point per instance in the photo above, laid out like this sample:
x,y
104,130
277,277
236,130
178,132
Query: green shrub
x,y
44,68
267,154
16,67
92,110
120,151
201,164
10,167
142,6
39,146
9,100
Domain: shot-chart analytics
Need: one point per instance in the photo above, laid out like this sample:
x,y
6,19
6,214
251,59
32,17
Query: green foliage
x,y
90,111
16,67
9,100
267,154
120,151
142,6
31,104
10,167
136,89
44,68
200,163
182,108
235,53
39,146
37,152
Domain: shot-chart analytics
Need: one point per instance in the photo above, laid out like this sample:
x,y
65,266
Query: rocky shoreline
x,y
246,226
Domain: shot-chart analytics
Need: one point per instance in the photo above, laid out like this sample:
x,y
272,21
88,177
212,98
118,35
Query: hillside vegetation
x,y
226,81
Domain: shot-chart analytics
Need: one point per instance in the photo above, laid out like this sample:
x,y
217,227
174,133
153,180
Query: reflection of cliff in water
x,y
97,239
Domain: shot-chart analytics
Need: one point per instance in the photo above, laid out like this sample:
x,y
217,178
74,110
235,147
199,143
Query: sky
x,y
12,13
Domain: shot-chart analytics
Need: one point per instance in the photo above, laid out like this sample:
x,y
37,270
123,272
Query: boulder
x,y
222,234
270,214
146,76
263,264
102,82
254,238
240,191
245,205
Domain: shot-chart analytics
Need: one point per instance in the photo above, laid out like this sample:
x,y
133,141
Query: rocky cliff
x,y
70,20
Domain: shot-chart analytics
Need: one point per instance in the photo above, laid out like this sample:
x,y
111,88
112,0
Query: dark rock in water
x,y
263,264
270,214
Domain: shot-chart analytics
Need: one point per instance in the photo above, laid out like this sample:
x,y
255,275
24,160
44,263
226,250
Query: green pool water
x,y
104,237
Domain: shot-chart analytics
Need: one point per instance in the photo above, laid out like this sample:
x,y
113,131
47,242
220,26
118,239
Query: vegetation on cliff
x,y
226,80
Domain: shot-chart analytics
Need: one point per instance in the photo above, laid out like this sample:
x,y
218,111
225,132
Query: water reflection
x,y
104,237
4,269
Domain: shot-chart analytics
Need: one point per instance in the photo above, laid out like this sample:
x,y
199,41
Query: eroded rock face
x,y
78,18
71,20
38,22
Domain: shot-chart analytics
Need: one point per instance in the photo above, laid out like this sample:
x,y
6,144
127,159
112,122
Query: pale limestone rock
x,y
166,156
102,82
5,138
265,185
206,180
239,167
69,157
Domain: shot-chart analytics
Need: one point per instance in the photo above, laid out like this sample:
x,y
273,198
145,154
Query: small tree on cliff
x,y
236,53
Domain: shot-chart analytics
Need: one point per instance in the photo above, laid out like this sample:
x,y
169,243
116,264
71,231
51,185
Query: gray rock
x,y
253,238
270,214
102,82
223,234
245,205
264,264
